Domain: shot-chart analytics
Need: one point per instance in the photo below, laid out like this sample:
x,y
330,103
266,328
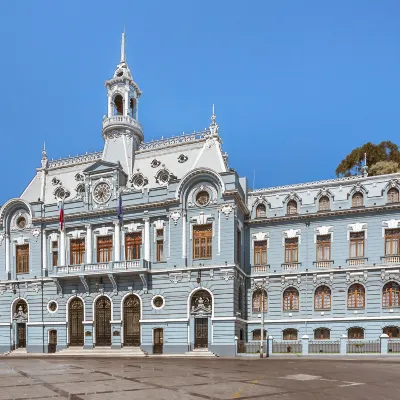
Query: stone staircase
x,y
200,353
103,352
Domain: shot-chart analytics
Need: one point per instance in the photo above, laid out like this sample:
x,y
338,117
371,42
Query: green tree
x,y
383,168
385,151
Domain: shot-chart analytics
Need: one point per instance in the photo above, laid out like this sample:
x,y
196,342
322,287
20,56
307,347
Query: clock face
x,y
102,192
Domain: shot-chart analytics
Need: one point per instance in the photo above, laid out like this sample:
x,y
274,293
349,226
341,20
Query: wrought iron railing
x,y
363,346
287,346
394,346
323,264
390,259
357,260
323,346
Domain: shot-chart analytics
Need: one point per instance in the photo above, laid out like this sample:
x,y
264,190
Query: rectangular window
x,y
260,252
22,257
202,241
77,251
133,244
392,238
291,250
357,244
239,245
323,248
54,252
160,244
104,248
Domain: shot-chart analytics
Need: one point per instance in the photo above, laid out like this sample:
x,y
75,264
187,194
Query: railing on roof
x,y
173,141
76,159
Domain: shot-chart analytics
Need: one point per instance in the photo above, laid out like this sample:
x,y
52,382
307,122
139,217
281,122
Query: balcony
x,y
292,266
121,122
390,259
260,268
323,264
86,269
355,261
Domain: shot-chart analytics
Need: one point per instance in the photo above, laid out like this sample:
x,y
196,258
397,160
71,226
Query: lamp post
x,y
260,285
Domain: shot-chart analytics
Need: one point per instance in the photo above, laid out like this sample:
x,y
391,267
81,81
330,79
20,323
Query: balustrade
x,y
323,264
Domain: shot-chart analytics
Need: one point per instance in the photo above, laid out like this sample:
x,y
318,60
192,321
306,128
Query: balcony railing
x,y
291,266
390,259
323,264
356,261
113,266
261,268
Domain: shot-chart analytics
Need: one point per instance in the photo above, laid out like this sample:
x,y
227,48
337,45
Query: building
x,y
163,246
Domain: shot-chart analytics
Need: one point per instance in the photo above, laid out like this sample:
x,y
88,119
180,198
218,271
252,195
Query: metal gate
x,y
158,341
131,321
201,332
103,318
75,319
52,341
21,331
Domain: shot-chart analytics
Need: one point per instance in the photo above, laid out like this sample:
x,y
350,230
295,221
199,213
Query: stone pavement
x,y
184,378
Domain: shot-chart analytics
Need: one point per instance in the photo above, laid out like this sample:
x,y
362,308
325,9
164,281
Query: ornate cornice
x,y
174,141
242,205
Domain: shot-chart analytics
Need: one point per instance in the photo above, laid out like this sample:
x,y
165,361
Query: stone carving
x,y
76,160
201,305
35,232
227,209
175,277
155,163
319,279
356,277
173,141
76,234
291,280
55,181
139,181
61,193
79,177
21,315
390,275
182,158
175,215
133,227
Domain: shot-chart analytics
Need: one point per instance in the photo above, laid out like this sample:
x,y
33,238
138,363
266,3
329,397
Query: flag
x,y
61,215
120,215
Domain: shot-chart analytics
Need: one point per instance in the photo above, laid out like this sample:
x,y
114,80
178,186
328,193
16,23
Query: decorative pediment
x,y
320,279
103,231
356,277
259,237
390,224
201,219
76,234
290,280
101,166
133,227
393,183
324,192
357,188
357,227
21,240
323,230
292,196
291,234
390,275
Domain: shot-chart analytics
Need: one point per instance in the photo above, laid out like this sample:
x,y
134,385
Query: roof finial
x,y
365,166
123,58
44,160
213,125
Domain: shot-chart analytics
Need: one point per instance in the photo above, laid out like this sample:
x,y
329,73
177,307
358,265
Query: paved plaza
x,y
179,378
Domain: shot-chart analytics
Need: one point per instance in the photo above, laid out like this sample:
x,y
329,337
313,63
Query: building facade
x,y
163,246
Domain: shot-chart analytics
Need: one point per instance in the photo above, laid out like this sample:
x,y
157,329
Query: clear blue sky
x,y
296,84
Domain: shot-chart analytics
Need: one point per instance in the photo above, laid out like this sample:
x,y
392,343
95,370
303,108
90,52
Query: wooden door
x,y
103,325
75,325
131,321
21,332
158,341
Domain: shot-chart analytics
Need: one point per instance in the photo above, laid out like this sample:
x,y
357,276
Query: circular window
x,y
164,177
21,222
52,306
158,302
202,198
102,192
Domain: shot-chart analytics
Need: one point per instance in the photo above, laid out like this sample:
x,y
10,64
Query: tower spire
x,y
213,125
123,57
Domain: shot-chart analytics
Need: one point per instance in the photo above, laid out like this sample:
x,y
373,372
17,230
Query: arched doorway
x,y
103,318
201,308
20,318
75,319
131,321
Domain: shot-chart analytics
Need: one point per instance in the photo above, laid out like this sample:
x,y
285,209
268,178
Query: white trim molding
x,y
323,230
290,234
391,224
259,237
357,227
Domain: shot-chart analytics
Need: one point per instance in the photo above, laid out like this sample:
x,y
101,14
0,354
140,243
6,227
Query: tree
x,y
384,151
383,168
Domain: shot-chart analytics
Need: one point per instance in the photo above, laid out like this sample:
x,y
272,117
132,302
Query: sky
x,y
296,84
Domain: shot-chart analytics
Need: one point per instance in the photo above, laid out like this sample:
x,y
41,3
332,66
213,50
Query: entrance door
x,y
158,341
21,332
103,318
52,341
75,319
200,332
131,321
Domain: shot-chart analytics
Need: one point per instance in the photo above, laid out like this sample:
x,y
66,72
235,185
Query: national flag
x,y
61,215
120,215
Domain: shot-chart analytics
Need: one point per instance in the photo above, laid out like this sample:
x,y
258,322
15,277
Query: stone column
x,y
146,238
305,342
8,254
384,344
44,246
343,345
117,247
62,248
183,234
109,110
126,104
89,246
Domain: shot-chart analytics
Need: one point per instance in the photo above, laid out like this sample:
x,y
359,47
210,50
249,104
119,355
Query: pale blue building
x,y
184,265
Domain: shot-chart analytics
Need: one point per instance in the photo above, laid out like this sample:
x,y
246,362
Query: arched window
x,y
392,331
290,299
118,105
355,333
322,334
289,334
324,203
257,334
291,207
357,200
356,296
322,298
261,211
132,107
257,301
391,295
393,195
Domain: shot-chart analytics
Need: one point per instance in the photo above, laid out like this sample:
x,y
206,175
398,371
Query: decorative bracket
x,y
228,274
84,282
143,277
59,287
175,277
114,282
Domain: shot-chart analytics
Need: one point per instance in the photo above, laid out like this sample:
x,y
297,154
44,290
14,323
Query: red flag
x,y
62,216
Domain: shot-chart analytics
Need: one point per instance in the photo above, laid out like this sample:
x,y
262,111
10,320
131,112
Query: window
x,y
261,211
21,222
158,302
391,295
54,252
104,248
322,298
356,296
289,334
322,334
392,331
323,247
160,245
22,258
203,198
392,238
393,195
133,244
260,252
202,241
291,207
291,300
357,200
239,246
291,250
77,251
355,333
357,244
257,301
324,203
119,105
257,334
